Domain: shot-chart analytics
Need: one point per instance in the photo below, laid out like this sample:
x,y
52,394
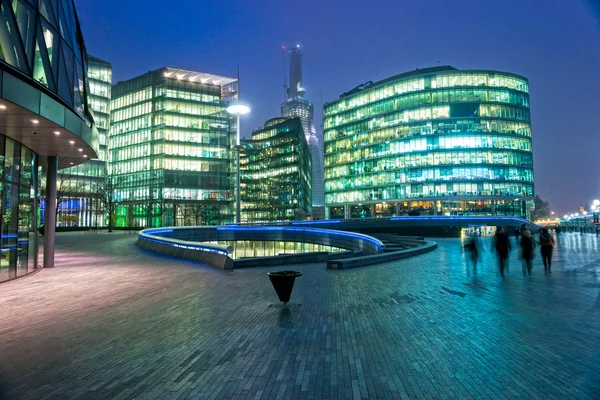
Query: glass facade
x,y
42,40
270,248
43,65
434,141
170,147
78,204
276,173
18,211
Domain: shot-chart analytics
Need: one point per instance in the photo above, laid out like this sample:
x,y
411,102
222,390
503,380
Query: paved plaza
x,y
112,321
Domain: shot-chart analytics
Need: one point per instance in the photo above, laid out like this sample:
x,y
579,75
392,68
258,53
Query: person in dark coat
x,y
527,245
546,247
472,247
502,247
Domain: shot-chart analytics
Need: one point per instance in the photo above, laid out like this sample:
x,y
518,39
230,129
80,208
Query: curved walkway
x,y
114,321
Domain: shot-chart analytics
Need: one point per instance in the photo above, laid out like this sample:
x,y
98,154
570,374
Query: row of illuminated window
x,y
193,122
255,162
99,105
443,96
279,140
131,98
133,138
100,73
213,137
131,125
129,152
269,133
193,108
144,178
277,173
429,174
420,143
478,79
191,165
428,159
471,110
194,151
430,82
429,127
279,145
283,193
134,111
88,169
423,190
272,175
101,89
101,121
193,96
260,248
347,154
160,192
385,135
212,180
129,166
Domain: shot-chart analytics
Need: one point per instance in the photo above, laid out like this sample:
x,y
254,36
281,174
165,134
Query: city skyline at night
x,y
391,38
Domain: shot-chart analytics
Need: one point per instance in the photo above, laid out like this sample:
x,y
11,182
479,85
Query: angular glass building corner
x,y
276,173
171,149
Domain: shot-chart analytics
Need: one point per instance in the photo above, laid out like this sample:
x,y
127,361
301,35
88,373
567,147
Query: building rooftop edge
x,y
194,74
98,59
273,122
416,72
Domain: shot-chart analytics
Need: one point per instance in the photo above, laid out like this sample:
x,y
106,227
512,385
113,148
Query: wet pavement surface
x,y
113,321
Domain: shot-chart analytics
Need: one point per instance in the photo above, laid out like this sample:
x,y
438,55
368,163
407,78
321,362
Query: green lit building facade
x,y
436,141
170,148
276,173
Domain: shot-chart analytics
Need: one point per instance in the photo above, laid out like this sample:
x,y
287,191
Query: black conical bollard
x,y
283,282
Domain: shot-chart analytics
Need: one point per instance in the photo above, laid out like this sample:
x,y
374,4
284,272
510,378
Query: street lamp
x,y
238,110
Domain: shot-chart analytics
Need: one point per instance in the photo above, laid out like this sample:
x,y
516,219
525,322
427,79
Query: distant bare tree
x,y
67,187
106,193
541,209
197,213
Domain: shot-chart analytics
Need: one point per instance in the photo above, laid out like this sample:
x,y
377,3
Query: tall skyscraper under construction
x,y
295,105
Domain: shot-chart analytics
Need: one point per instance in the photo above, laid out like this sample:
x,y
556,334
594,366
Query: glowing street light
x,y
238,110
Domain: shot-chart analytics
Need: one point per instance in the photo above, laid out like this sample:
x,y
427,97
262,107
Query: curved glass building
x,y
435,141
45,123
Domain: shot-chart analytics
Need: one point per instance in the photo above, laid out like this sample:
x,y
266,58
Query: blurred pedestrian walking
x,y
527,245
547,247
472,246
502,247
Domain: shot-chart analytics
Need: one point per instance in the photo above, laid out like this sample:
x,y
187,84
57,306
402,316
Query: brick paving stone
x,y
114,321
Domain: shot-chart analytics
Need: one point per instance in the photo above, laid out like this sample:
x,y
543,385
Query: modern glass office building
x,y
77,187
436,141
170,148
276,173
45,123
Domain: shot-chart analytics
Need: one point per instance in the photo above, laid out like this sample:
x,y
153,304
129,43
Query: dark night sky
x,y
554,43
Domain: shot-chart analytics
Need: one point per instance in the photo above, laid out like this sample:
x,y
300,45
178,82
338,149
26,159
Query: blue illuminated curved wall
x,y
189,242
